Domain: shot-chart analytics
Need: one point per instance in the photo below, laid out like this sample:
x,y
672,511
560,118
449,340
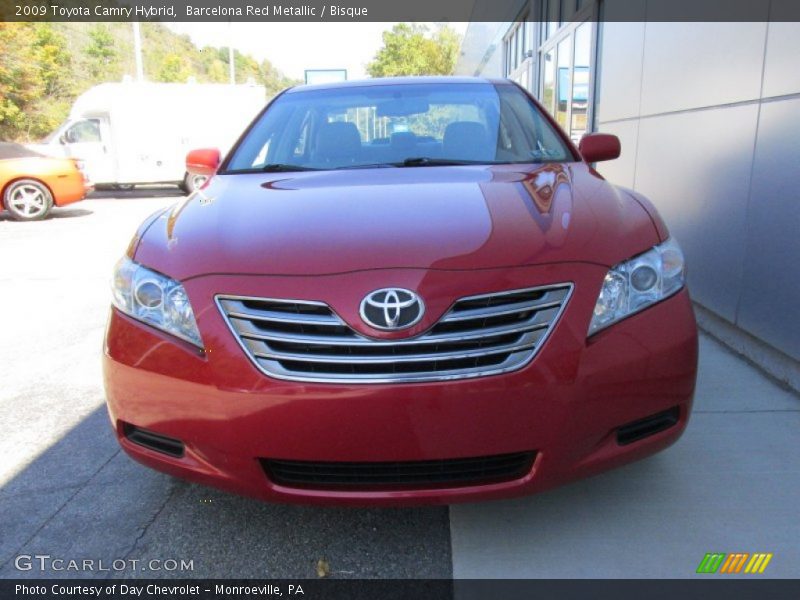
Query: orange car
x,y
31,183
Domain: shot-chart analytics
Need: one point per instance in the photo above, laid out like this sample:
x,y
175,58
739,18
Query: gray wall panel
x,y
781,69
695,167
621,171
770,301
688,65
619,64
695,157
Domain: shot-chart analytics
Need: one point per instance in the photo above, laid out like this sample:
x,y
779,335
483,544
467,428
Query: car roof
x,y
10,150
382,81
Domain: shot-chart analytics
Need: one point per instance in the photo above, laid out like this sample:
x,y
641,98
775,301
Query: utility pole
x,y
137,50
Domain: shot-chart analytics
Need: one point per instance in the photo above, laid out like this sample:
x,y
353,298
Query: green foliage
x,y
174,69
32,76
216,69
101,53
416,50
45,66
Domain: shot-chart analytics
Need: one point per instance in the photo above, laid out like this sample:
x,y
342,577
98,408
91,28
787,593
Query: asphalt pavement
x,y
731,484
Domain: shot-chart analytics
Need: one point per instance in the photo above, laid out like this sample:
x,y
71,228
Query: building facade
x,y
708,114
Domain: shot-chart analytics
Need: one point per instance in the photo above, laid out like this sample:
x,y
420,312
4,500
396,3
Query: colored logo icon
x,y
737,562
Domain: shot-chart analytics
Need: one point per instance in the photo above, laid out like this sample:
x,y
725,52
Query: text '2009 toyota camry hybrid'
x,y
401,291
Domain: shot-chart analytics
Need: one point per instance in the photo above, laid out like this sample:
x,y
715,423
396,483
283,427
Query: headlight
x,y
637,283
154,299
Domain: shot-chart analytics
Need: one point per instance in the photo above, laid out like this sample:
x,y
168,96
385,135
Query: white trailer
x,y
129,133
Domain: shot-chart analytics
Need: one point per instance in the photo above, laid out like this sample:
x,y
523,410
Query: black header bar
x,y
388,10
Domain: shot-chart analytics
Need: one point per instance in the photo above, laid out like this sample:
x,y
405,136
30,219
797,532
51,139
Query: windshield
x,y
398,125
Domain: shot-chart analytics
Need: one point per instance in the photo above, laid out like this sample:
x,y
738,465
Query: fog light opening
x,y
644,428
153,441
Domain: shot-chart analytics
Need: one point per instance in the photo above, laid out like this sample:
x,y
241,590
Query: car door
x,y
85,141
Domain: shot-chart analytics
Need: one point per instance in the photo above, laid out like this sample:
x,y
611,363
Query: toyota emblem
x,y
392,308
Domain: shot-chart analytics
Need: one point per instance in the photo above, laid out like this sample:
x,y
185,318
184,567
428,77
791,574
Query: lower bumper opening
x,y
643,428
457,472
152,440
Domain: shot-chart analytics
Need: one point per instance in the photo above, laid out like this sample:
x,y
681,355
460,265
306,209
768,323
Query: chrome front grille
x,y
481,335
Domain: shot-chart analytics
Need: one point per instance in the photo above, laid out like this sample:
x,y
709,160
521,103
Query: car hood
x,y
454,218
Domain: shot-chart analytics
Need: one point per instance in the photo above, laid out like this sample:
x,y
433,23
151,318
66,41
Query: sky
x,y
295,47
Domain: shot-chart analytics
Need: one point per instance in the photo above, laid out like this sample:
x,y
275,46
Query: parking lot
x,y
731,484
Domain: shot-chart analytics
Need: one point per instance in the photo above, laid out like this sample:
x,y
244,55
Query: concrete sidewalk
x,y
730,484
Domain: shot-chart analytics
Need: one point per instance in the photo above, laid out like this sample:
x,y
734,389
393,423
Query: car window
x,y
82,132
349,127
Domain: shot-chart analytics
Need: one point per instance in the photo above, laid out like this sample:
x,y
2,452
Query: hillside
x,y
44,66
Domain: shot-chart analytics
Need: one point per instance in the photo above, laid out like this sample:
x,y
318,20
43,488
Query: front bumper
x,y
566,405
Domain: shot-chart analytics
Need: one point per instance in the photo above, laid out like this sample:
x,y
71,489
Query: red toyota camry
x,y
401,291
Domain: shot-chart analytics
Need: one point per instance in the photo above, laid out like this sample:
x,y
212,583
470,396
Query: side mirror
x,y
204,161
595,147
62,139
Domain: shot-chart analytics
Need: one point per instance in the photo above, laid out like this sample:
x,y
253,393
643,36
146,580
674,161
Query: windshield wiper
x,y
368,166
421,161
425,161
283,167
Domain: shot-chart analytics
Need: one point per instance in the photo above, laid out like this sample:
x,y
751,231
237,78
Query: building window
x,y
550,11
563,77
565,69
548,75
518,45
581,79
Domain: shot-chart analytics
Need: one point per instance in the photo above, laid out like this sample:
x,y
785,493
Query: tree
x,y
174,69
273,79
416,50
34,75
101,54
